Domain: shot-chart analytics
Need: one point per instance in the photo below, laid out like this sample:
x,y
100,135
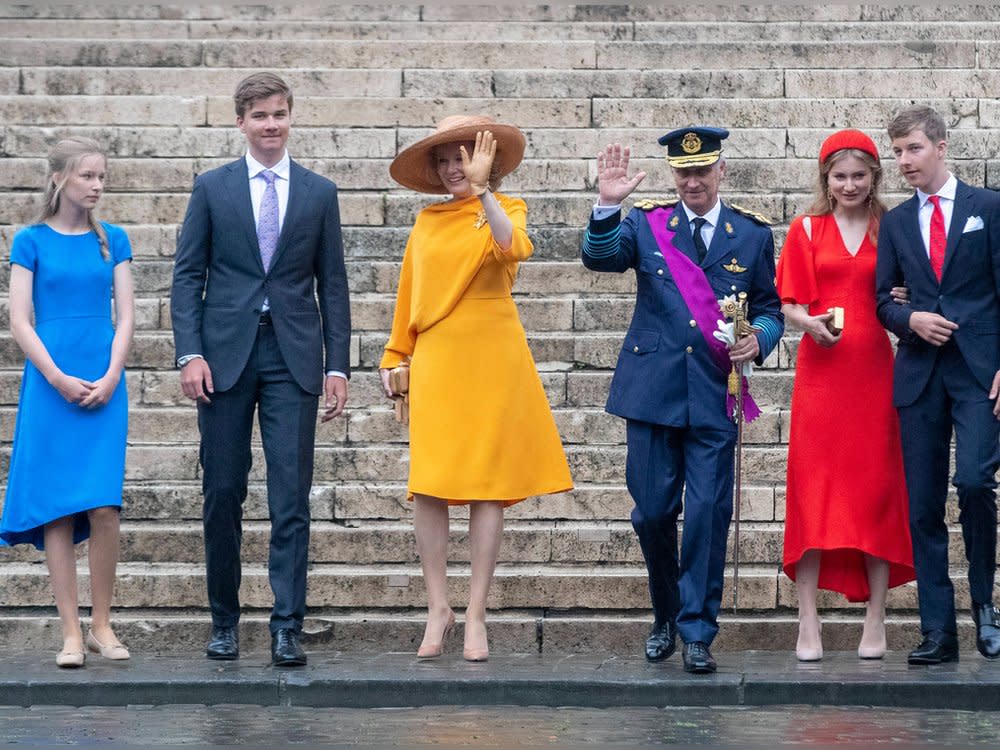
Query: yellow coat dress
x,y
480,424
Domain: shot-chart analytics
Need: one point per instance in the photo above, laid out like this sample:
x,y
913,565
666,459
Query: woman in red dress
x,y
846,520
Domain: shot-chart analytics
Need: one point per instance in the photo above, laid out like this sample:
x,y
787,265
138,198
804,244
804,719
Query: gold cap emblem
x,y
691,143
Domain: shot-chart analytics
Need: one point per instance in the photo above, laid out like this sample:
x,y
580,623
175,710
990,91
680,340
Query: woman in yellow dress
x,y
481,432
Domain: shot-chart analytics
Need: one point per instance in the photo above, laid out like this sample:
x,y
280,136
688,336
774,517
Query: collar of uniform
x,y
947,191
712,217
282,168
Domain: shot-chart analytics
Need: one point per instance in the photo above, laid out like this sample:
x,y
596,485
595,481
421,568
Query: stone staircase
x,y
154,83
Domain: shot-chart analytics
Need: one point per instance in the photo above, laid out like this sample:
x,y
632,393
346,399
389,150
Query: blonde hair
x,y
824,203
63,159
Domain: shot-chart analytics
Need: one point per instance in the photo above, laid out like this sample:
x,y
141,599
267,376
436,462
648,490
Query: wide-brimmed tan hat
x,y
414,168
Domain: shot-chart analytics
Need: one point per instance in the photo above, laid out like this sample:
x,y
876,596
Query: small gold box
x,y
399,379
836,323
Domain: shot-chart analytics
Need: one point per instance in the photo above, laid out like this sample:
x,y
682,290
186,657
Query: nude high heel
x,y
476,654
434,650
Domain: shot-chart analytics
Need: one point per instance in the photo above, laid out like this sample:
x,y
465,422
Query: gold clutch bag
x,y
836,323
399,384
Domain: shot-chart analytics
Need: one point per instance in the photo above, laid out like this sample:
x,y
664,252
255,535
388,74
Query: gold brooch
x,y
674,222
691,143
734,267
729,228
480,219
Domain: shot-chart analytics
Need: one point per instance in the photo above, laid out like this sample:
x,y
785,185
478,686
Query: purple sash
x,y
700,299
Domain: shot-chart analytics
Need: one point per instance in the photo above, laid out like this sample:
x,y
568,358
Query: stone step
x,y
515,585
321,30
500,54
225,141
564,14
570,349
644,31
510,631
577,426
570,543
589,464
351,503
161,388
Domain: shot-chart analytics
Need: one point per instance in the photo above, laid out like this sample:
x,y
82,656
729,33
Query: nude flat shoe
x,y
434,650
113,651
70,659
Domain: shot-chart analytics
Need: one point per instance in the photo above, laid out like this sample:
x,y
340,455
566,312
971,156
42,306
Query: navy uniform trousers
x,y
662,462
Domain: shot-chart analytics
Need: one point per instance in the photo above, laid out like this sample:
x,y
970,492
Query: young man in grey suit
x,y
260,312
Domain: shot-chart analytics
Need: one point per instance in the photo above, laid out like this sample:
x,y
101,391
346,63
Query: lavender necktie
x,y
267,221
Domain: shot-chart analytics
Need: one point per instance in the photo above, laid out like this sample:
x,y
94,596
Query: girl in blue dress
x,y
68,458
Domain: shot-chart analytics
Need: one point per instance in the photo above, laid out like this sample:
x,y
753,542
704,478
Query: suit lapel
x,y
720,247
238,192
298,194
683,240
959,215
915,240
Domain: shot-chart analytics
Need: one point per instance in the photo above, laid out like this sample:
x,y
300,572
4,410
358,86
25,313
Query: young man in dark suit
x,y
944,245
261,323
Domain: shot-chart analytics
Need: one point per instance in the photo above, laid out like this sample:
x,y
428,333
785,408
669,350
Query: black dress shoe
x,y
698,659
938,647
224,645
285,649
662,641
987,619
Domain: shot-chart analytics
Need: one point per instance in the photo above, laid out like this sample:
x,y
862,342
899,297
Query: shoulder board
x,y
759,218
648,204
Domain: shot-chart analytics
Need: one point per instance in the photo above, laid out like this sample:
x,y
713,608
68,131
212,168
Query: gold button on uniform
x,y
689,350
659,271
733,287
635,349
692,324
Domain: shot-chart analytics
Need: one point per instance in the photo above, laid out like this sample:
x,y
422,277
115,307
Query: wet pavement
x,y
392,700
495,726
399,680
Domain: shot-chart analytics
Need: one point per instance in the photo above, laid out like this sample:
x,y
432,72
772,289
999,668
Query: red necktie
x,y
938,237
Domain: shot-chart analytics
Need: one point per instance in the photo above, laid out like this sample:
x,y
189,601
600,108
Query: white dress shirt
x,y
926,208
711,221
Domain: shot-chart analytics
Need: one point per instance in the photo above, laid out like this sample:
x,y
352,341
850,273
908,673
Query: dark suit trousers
x,y
287,417
952,398
662,463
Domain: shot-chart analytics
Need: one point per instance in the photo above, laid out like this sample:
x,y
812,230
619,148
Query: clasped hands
x,y
87,394
477,167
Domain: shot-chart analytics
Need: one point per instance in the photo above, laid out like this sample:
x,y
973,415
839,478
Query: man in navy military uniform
x,y
670,383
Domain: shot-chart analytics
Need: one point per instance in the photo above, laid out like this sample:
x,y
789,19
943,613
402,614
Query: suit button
x,y
733,287
692,323
635,349
659,271
689,350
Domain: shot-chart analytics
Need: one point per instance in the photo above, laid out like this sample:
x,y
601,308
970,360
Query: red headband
x,y
849,138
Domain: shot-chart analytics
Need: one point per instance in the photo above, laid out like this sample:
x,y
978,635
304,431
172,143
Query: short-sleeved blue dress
x,y
66,459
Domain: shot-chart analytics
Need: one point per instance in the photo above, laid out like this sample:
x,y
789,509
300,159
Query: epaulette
x,y
648,204
759,218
